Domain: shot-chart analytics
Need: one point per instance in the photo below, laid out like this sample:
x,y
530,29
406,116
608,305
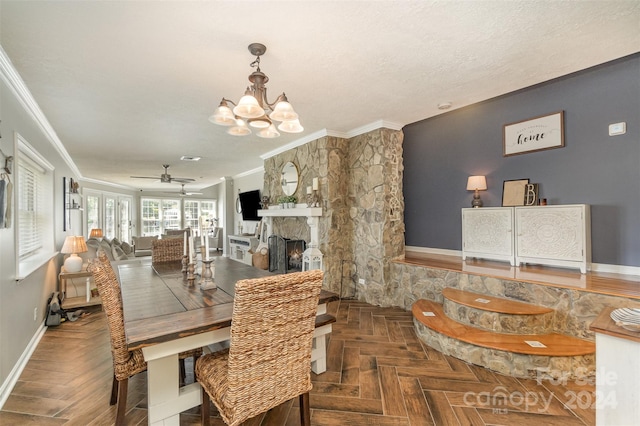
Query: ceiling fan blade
x,y
182,180
144,177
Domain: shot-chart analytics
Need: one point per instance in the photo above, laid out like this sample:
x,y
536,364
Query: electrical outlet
x,y
361,280
35,314
617,129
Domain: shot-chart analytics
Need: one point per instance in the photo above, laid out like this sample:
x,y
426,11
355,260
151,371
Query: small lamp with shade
x,y
72,246
476,183
96,233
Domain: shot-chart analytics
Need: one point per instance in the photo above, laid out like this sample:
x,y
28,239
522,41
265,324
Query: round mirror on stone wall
x,y
289,179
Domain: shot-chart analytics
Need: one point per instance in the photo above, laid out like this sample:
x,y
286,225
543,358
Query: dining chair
x,y
126,363
167,250
268,360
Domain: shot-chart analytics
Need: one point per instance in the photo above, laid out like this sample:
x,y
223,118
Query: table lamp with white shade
x,y
72,246
476,183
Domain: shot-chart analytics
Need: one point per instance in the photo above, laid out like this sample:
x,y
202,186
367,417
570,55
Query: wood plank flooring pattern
x,y
378,373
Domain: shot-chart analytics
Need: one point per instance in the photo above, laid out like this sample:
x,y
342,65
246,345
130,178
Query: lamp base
x,y
477,202
73,263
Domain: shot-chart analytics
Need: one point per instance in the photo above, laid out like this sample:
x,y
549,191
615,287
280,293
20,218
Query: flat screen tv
x,y
250,204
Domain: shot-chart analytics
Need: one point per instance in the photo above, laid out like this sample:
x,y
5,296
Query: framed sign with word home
x,y
535,134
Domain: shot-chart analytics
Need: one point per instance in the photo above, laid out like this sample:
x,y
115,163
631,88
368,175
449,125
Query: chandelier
x,y
254,110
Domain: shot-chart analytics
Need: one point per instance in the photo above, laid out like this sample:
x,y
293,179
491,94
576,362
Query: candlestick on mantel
x,y
206,248
191,250
308,190
315,184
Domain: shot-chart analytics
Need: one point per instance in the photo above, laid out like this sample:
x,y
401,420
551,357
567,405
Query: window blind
x,y
30,207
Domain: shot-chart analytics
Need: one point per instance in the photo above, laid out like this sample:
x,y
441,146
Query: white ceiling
x,y
129,85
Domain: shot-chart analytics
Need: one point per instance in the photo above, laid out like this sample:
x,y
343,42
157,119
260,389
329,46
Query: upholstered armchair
x,y
142,245
217,240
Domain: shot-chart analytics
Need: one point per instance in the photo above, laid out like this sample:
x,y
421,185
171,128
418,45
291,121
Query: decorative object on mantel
x,y
253,107
535,134
72,246
313,198
513,192
288,201
264,202
476,183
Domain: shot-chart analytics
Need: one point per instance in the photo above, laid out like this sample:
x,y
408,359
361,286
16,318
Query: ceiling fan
x,y
182,192
166,177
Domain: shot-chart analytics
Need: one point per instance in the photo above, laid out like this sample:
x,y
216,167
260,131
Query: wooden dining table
x,y
165,314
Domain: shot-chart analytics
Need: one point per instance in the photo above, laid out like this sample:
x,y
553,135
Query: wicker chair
x,y
125,363
269,358
167,250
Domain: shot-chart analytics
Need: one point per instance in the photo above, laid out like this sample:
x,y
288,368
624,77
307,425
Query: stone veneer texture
x,y
362,226
574,309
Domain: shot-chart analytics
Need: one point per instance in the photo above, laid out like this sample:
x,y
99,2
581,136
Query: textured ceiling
x,y
128,85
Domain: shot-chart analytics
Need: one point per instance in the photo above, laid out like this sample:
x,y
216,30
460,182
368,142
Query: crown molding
x,y
105,183
13,80
332,133
249,172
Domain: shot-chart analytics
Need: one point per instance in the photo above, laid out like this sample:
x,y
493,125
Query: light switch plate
x,y
617,129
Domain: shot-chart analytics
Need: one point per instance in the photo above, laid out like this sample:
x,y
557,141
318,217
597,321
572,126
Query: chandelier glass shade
x,y
254,110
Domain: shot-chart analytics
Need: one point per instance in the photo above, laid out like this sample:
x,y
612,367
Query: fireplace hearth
x,y
285,255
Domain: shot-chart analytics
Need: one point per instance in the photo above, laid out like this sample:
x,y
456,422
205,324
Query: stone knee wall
x,y
574,309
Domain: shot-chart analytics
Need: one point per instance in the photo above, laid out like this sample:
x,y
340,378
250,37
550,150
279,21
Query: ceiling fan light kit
x,y
254,108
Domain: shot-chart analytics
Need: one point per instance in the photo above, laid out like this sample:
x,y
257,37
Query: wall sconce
x,y
476,183
72,246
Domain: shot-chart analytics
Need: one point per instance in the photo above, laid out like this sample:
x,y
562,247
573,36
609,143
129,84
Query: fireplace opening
x,y
285,255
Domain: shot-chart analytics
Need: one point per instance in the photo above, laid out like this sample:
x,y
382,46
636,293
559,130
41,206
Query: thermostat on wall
x,y
617,129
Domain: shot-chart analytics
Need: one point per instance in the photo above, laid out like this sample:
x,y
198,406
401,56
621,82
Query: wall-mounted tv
x,y
250,204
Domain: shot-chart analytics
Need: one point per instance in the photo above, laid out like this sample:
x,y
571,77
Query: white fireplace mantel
x,y
313,218
298,211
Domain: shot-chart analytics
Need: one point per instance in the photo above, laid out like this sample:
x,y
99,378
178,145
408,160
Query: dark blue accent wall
x,y
593,167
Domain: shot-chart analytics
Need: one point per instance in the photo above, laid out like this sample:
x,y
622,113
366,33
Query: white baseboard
x,y
430,250
14,375
595,267
615,269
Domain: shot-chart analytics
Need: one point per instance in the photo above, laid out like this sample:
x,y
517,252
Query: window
x,y
198,214
34,202
159,215
92,210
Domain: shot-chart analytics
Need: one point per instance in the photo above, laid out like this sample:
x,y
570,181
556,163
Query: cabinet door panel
x,y
487,231
550,233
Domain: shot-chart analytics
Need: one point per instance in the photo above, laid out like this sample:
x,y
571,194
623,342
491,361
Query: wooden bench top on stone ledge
x,y
555,344
594,282
493,304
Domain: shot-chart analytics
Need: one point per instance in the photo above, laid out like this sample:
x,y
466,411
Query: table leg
x,y
88,282
166,398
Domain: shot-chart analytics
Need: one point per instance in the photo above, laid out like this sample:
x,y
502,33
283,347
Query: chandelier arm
x,y
281,97
228,100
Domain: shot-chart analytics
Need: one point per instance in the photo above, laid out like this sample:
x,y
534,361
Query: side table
x,y
62,286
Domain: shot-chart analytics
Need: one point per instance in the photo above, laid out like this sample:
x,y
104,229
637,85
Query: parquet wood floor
x,y
378,373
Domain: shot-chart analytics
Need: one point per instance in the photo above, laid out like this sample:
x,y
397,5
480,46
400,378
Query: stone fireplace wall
x,y
362,226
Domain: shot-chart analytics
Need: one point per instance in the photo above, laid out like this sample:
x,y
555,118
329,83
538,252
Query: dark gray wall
x,y
593,167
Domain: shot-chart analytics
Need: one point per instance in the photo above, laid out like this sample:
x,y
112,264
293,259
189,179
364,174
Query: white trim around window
x,y
34,204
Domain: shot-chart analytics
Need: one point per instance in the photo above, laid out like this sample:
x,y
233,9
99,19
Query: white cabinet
x,y
554,235
487,233
241,247
546,235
